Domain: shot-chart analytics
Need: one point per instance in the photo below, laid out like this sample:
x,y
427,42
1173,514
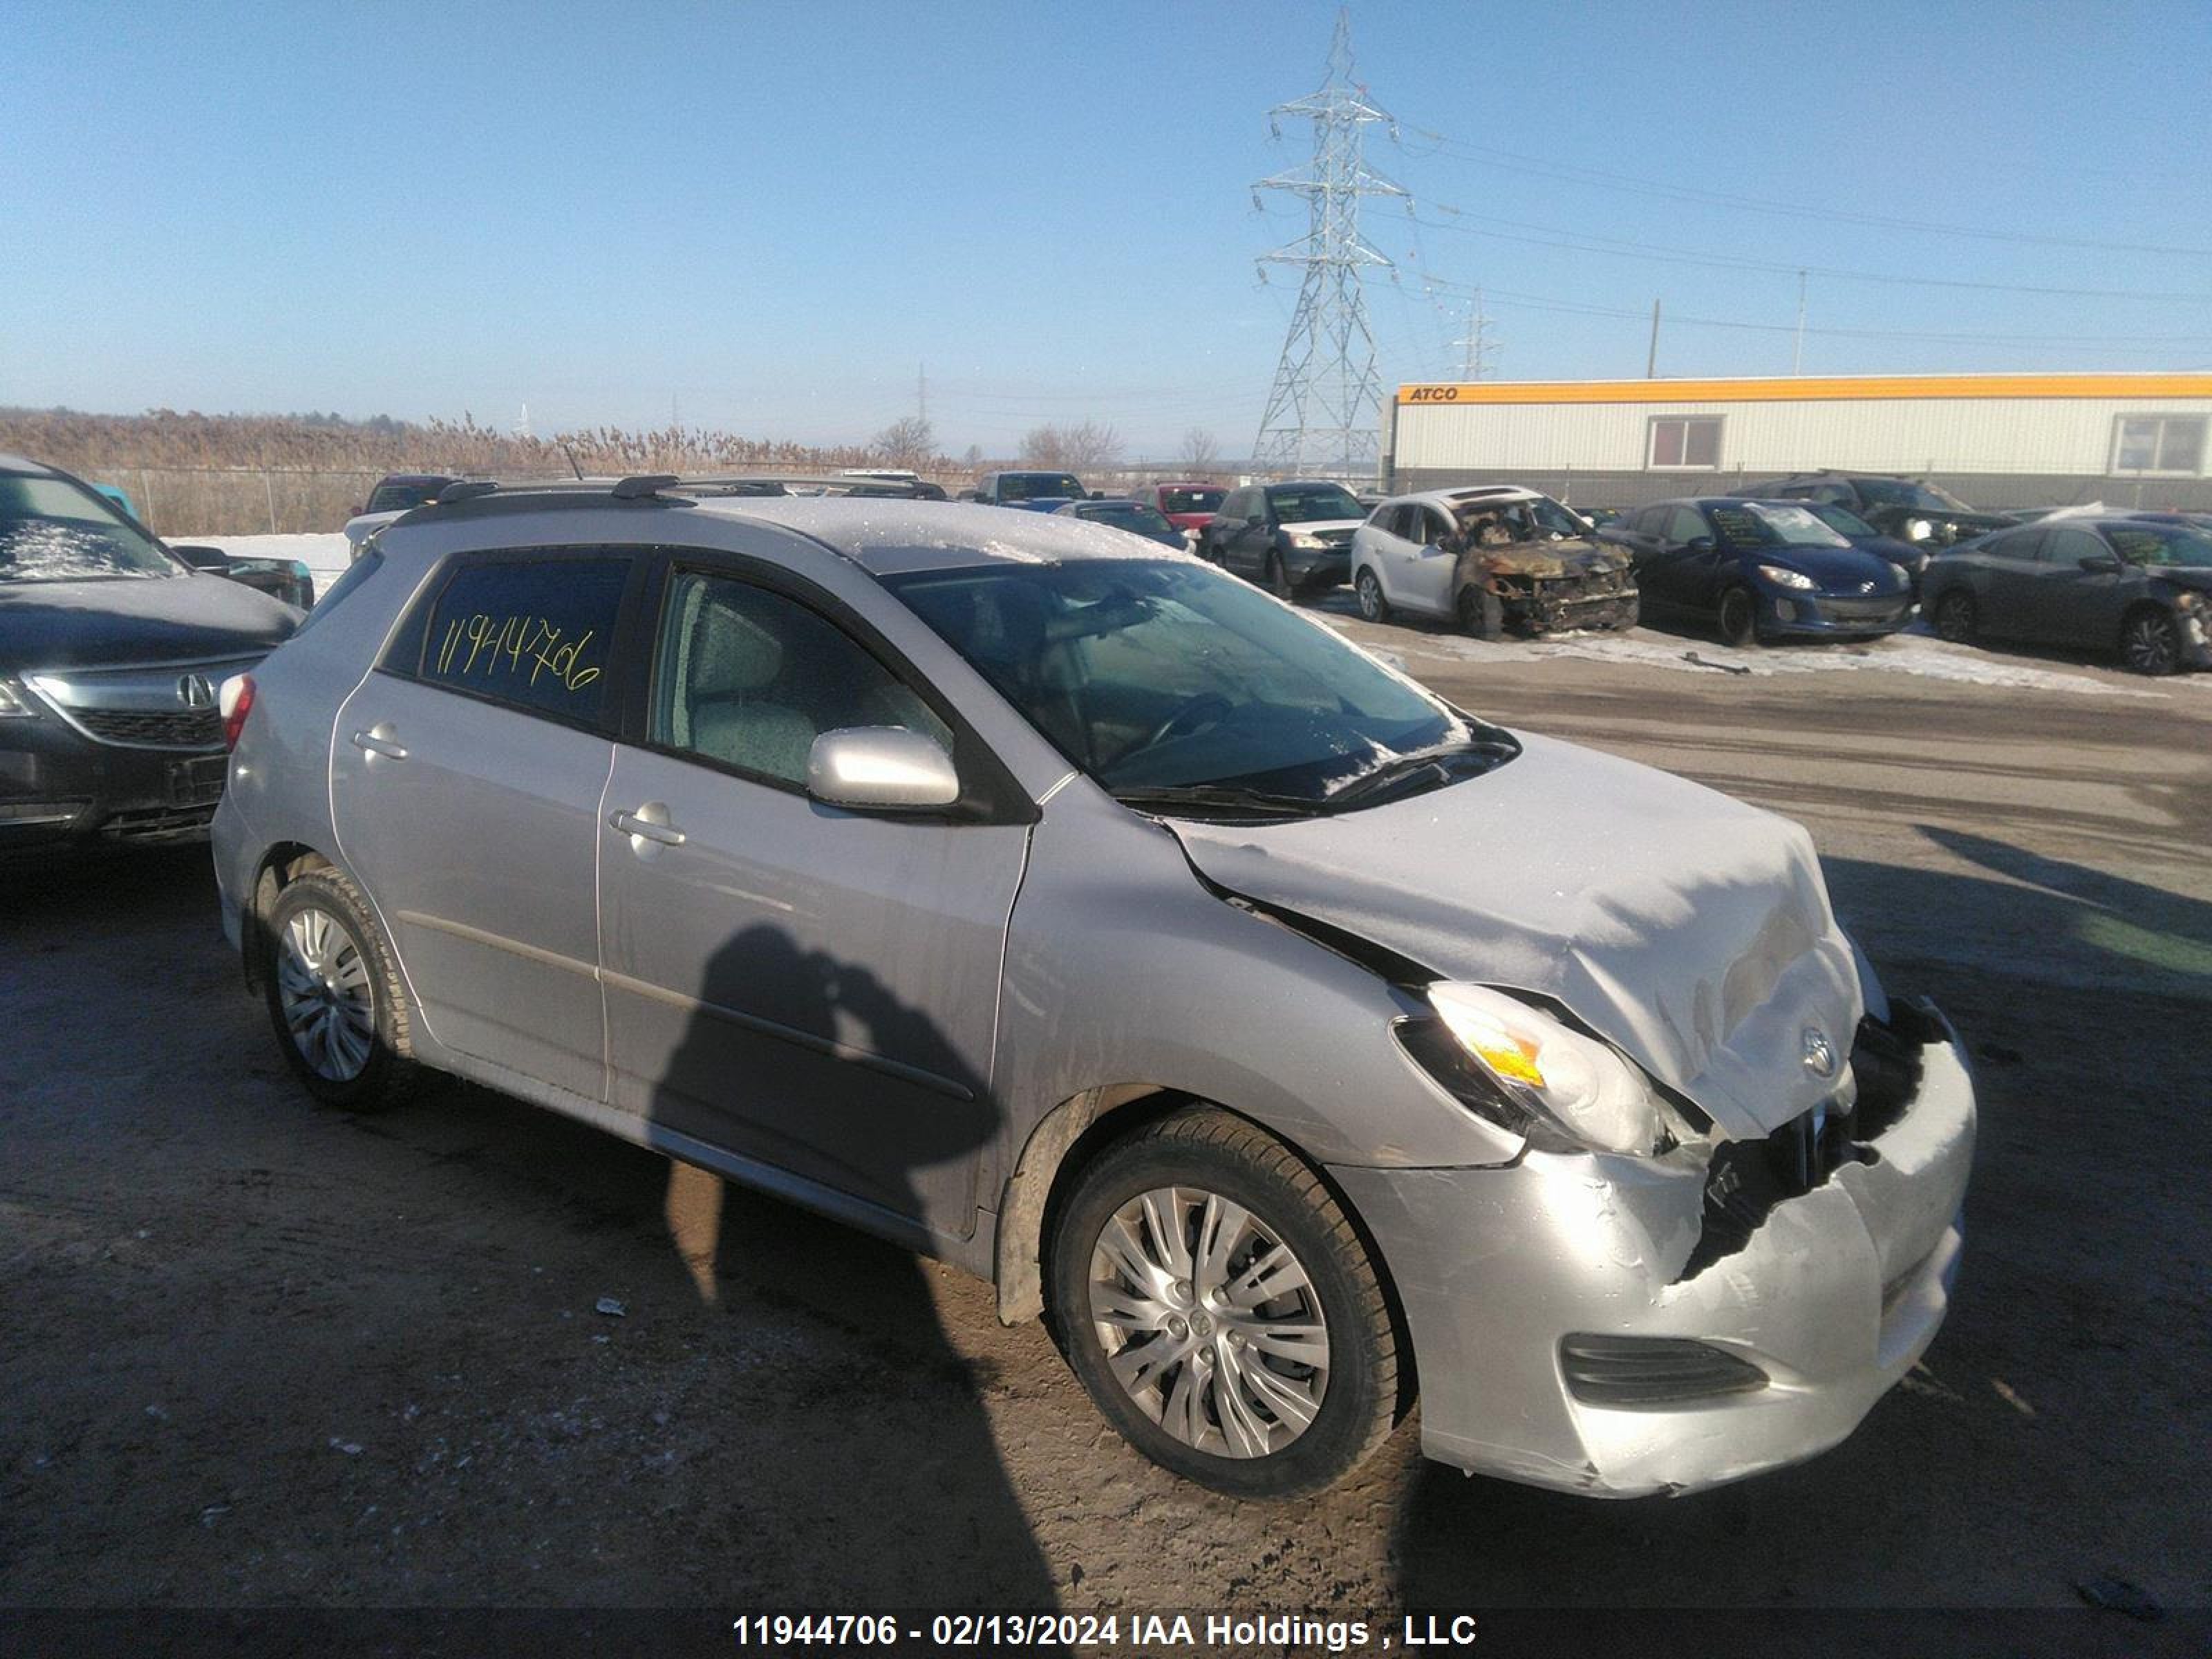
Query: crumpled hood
x,y
1576,557
1691,930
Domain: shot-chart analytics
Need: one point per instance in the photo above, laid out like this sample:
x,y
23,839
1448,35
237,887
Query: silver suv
x,y
1056,904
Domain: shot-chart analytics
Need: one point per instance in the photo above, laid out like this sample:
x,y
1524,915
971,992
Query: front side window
x,y
1134,516
51,531
2165,544
1152,674
2159,443
1685,523
748,678
1686,441
534,633
1038,487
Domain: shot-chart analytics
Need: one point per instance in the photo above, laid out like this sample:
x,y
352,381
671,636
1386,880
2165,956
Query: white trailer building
x,y
1996,440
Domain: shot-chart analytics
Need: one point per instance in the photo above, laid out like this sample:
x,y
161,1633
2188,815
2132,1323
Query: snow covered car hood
x,y
1691,930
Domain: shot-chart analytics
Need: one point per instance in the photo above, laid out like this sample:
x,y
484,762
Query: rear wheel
x,y
1738,618
1372,604
1219,1308
1956,619
2150,643
335,997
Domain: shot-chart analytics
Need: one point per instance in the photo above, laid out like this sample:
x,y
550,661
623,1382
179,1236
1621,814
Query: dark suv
x,y
1907,508
114,652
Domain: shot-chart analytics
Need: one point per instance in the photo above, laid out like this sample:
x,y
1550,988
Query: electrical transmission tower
x,y
1324,410
1481,349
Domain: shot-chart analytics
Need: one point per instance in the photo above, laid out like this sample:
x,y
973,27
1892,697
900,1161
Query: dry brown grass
x,y
192,474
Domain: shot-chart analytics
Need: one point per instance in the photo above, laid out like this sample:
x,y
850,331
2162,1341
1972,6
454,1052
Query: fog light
x,y
25,812
1784,610
1652,1370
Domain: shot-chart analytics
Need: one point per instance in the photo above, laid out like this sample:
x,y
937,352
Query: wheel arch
x,y
280,866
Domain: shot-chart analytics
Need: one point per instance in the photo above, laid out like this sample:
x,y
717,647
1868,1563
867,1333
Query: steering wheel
x,y
1187,710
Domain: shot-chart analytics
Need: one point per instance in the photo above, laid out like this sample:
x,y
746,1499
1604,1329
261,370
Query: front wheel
x,y
335,996
1218,1307
1372,605
1481,613
2150,643
1738,618
1279,579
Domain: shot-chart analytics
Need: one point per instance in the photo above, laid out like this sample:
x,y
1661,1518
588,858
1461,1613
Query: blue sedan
x,y
1761,570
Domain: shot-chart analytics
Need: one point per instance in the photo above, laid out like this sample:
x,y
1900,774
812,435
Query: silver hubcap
x,y
322,984
2150,646
1209,1321
1370,596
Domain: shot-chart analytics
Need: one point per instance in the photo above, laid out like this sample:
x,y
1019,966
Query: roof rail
x,y
640,485
465,490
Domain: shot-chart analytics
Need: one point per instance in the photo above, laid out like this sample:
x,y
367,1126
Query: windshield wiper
x,y
1185,799
1430,768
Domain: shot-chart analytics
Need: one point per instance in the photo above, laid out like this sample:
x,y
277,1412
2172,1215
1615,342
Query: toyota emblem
x,y
1819,1052
195,691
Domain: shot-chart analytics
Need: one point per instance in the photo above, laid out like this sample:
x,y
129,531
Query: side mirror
x,y
883,768
1699,544
201,558
2101,564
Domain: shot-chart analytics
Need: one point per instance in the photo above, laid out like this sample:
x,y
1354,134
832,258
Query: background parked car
x,y
2140,586
1133,516
1296,538
111,652
1489,559
1037,492
1758,571
1190,507
395,493
1904,507
1911,557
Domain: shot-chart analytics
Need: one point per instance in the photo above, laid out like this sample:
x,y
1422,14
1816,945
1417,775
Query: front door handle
x,y
649,823
380,739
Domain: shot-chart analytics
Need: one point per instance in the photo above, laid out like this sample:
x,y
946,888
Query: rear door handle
x,y
378,740
640,827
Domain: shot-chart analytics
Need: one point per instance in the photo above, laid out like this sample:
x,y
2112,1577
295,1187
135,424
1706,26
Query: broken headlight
x,y
1551,1072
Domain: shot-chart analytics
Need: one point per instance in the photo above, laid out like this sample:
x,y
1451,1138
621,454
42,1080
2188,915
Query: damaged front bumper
x,y
1619,1327
1560,604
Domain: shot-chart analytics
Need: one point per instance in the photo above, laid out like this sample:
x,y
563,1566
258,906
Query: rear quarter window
x,y
533,633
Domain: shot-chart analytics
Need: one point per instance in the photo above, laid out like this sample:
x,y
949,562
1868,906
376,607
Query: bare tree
x,y
1044,446
907,442
1200,453
1091,444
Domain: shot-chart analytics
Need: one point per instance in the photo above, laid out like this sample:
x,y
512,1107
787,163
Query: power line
x,y
1512,161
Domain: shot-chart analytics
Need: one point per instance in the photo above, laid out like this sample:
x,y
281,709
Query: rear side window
x,y
535,634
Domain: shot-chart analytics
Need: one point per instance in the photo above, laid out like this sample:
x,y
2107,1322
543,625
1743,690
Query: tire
x,y
1956,618
1279,579
1369,589
1481,613
336,1001
1200,1413
2150,643
1738,617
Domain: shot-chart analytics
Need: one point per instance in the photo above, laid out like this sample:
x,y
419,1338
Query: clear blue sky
x,y
769,215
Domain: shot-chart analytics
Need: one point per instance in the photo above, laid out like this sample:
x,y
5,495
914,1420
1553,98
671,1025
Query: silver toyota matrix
x,y
1061,906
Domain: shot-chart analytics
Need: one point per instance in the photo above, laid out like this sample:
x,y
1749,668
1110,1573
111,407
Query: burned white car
x,y
1090,919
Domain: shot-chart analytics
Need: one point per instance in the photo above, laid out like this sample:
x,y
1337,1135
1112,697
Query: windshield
x,y
52,531
1131,515
1037,486
1156,674
1742,523
1537,520
1900,492
2161,544
1205,498
1841,520
1312,503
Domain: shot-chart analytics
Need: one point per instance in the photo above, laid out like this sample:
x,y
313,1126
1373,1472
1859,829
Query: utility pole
x,y
1481,351
1651,362
1323,410
1797,352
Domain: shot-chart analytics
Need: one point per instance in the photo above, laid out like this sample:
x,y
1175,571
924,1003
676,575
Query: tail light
x,y
237,703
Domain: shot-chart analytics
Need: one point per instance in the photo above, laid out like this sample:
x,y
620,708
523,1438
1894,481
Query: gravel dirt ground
x,y
256,1353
